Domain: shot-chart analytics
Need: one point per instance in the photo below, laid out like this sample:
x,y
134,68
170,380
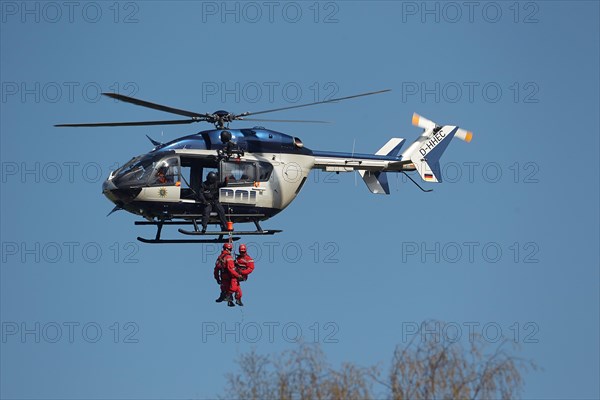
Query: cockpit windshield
x,y
153,169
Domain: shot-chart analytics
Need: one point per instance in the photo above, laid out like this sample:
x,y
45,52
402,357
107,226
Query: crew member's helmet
x,y
225,136
211,177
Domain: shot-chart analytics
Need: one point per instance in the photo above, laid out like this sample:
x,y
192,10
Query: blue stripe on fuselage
x,y
336,154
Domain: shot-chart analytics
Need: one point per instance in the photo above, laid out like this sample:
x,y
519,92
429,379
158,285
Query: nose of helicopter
x,y
117,195
108,189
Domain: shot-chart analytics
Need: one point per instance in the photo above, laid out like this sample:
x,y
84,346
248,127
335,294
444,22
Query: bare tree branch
x,y
428,367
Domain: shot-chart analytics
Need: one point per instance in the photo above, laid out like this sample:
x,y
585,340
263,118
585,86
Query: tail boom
x,y
423,155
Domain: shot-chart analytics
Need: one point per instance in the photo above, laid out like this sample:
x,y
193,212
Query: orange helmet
x,y
227,246
242,248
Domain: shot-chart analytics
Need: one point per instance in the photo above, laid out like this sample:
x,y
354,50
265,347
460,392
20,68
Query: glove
x,y
219,281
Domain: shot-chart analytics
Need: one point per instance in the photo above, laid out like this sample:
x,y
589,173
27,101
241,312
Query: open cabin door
x,y
193,172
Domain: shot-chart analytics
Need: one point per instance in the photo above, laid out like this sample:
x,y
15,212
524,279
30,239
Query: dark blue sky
x,y
507,245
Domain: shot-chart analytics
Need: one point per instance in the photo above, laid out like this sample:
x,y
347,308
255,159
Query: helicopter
x,y
263,170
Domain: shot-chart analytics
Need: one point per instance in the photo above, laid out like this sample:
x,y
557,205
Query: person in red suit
x,y
223,273
244,266
244,262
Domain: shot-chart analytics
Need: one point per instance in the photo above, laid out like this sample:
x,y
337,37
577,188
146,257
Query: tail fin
x,y
426,151
377,182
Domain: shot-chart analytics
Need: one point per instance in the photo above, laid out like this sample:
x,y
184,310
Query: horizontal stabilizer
x,y
391,148
377,182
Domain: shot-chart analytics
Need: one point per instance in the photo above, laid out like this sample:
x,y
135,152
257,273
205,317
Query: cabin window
x,y
264,171
238,172
245,172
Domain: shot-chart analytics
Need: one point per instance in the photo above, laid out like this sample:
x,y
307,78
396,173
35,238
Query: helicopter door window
x,y
238,172
166,172
264,171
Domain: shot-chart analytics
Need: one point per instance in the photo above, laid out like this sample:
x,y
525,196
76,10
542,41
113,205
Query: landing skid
x,y
221,233
258,231
223,236
167,241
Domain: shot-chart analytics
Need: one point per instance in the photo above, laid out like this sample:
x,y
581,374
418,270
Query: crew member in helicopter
x,y
227,276
161,175
244,265
209,196
230,147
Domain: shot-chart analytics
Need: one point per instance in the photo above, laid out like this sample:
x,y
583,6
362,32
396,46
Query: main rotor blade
x,y
139,123
312,104
154,106
285,120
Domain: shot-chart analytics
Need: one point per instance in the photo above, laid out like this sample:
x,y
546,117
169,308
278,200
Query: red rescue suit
x,y
244,267
223,268
245,264
235,277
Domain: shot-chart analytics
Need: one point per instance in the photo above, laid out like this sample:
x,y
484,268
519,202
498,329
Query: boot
x,y
222,297
239,302
230,300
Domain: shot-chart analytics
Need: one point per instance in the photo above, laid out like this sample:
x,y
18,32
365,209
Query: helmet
x,y
211,177
225,136
242,248
227,246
